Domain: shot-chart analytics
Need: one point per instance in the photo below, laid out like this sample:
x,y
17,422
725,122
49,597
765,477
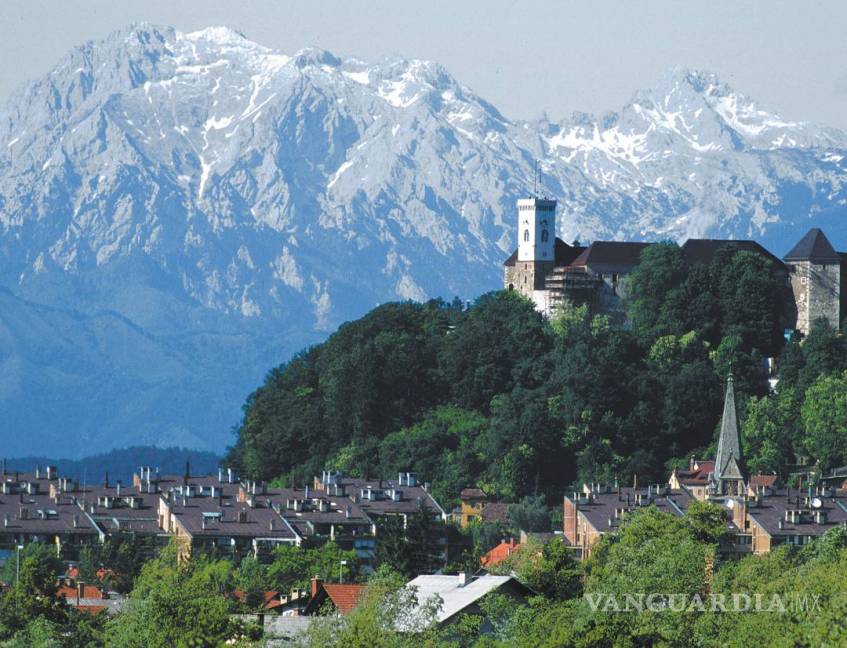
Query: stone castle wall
x,y
816,289
527,276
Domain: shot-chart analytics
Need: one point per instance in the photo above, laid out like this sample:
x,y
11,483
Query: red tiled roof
x,y
69,593
344,597
698,476
762,480
270,599
499,553
91,609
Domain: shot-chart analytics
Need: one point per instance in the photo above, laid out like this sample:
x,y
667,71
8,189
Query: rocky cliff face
x,y
179,212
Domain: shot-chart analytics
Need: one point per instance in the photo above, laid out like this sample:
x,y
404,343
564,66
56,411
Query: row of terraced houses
x,y
235,517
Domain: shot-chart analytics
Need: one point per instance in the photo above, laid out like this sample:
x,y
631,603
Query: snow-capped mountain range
x,y
181,211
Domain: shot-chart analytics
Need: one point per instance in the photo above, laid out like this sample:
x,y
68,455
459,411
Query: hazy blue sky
x,y
525,57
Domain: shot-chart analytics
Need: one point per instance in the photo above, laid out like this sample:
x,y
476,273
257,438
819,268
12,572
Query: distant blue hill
x,y
121,464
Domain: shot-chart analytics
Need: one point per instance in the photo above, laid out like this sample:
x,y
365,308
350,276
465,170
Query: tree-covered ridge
x,y
494,395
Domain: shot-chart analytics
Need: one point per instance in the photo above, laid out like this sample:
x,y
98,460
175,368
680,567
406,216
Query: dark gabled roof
x,y
472,493
564,254
620,253
814,247
704,250
495,512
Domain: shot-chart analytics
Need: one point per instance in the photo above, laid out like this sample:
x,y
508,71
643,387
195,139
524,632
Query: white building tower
x,y
536,230
527,269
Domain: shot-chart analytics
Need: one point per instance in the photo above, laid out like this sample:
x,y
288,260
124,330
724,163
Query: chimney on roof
x,y
271,525
5,520
38,472
348,512
203,522
306,491
106,480
118,488
80,591
187,473
220,475
316,584
76,521
463,579
229,476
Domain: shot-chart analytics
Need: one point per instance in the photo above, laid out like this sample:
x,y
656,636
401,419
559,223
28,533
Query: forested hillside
x,y
493,395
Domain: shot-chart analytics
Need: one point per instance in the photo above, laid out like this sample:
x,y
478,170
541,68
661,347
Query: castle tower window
x,y
544,236
526,235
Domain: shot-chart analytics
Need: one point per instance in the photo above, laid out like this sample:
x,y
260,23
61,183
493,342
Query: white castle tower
x,y
536,230
527,269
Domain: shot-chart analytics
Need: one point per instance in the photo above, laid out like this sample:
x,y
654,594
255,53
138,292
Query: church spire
x,y
727,478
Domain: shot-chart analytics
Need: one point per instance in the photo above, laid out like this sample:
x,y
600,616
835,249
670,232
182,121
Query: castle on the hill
x,y
548,271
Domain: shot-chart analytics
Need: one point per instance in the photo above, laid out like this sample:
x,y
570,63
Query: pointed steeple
x,y
814,247
728,478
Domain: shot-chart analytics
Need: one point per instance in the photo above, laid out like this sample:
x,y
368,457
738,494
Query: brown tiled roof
x,y
601,510
257,524
762,480
62,523
472,493
495,512
413,497
771,511
704,250
618,253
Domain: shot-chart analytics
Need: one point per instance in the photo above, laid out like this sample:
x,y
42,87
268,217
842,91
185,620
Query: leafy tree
x,y
530,514
251,577
178,604
548,568
294,567
656,305
388,615
409,549
444,446
492,348
824,414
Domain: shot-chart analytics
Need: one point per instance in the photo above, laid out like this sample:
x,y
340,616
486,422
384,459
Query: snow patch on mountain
x,y
288,192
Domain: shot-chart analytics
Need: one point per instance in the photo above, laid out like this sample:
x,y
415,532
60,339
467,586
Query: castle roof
x,y
814,246
618,253
564,254
704,250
